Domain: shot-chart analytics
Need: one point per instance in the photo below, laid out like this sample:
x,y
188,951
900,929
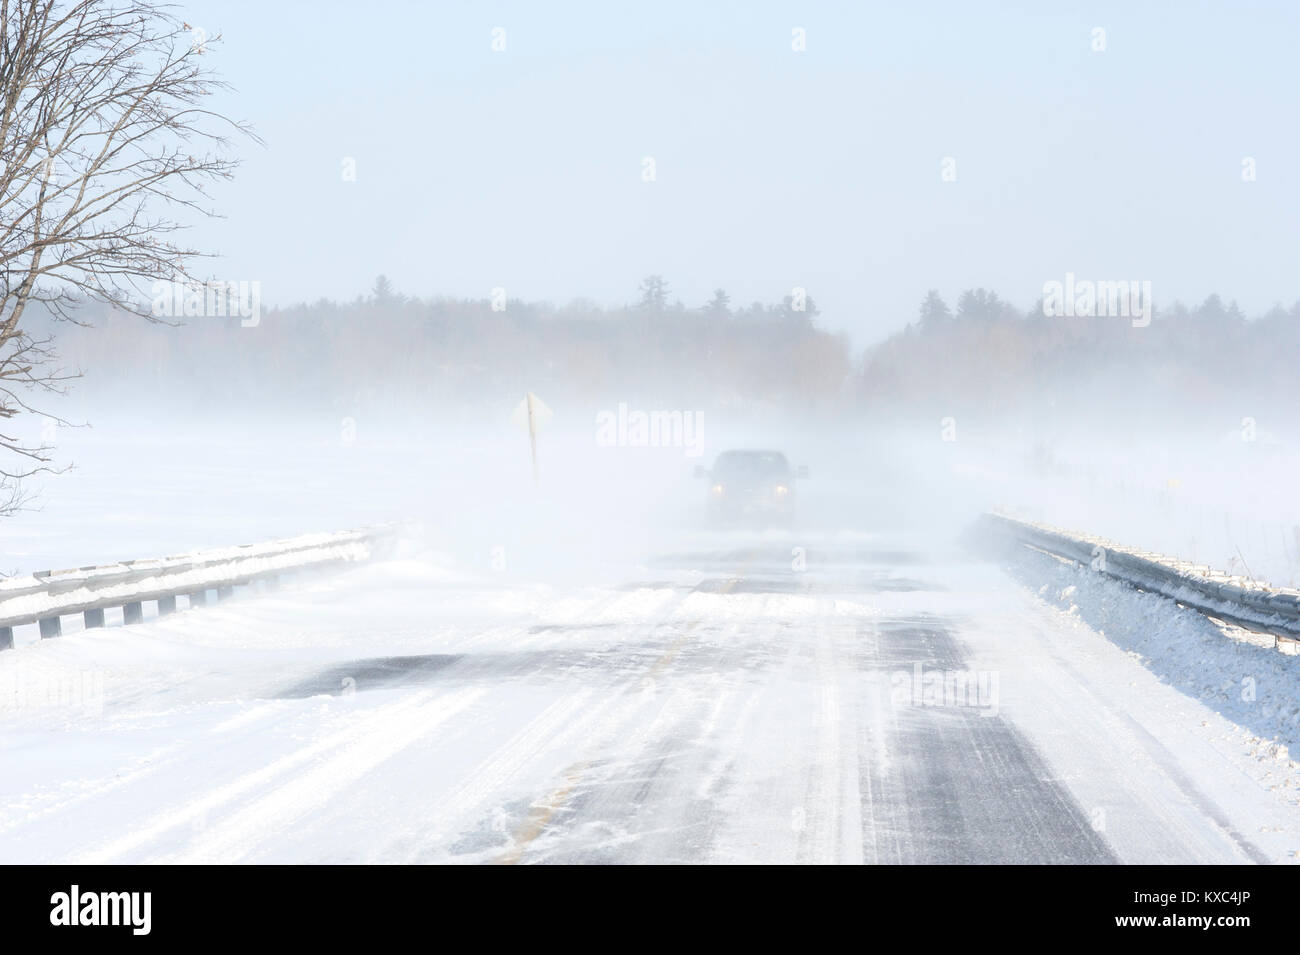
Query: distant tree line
x,y
982,358
447,353
986,358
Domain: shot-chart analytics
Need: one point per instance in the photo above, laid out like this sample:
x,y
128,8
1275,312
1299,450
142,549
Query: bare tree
x,y
104,137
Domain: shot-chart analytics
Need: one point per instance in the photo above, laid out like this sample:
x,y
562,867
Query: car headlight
x,y
717,489
781,490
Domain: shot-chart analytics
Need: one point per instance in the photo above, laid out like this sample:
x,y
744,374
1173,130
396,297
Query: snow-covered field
x,y
518,685
1220,501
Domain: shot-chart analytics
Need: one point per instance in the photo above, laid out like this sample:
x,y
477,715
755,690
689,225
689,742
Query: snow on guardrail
x,y
1233,598
45,596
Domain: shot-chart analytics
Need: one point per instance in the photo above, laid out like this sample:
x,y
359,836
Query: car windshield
x,y
752,464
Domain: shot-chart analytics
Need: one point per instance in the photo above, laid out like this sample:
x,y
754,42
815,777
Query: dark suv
x,y
750,486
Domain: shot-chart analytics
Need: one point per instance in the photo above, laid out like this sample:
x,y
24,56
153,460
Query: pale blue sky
x,y
775,169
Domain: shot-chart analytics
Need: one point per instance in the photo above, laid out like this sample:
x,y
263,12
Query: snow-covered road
x,y
833,698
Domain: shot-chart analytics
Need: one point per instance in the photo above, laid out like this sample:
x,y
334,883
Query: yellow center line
x,y
675,647
542,813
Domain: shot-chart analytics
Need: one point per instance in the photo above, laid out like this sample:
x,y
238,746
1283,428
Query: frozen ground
x,y
712,705
531,689
1208,499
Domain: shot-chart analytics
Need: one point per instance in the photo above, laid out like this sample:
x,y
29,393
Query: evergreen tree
x,y
934,312
720,305
654,294
382,293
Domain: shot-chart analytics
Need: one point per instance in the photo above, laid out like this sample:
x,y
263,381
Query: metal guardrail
x,y
45,597
1235,599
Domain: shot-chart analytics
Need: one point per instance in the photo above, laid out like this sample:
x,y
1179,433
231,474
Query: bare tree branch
x,y
103,136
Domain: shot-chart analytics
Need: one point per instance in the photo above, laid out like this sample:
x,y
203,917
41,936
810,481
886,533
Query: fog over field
x,y
908,294
395,409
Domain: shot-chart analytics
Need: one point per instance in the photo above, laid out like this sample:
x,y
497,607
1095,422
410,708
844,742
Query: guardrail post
x,y
198,598
166,605
6,638
94,618
224,593
51,627
133,612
